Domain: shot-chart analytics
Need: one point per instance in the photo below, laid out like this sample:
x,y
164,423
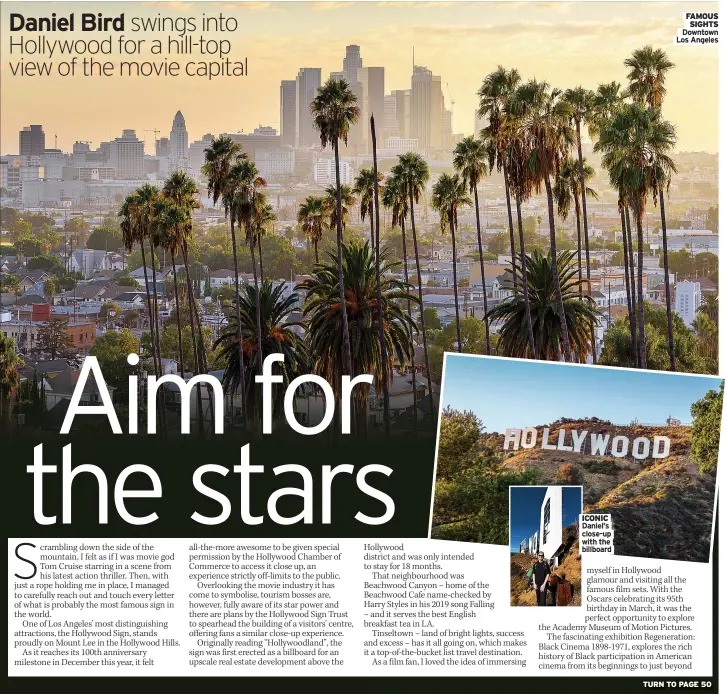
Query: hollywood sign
x,y
576,441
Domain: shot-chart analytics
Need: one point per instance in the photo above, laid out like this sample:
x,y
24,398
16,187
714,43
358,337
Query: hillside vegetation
x,y
661,508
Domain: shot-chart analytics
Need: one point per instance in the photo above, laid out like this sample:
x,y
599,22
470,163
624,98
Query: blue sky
x,y
509,393
525,503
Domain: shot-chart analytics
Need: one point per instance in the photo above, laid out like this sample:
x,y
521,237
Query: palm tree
x,y
413,172
545,126
168,218
710,306
470,161
220,158
448,195
334,111
580,101
497,88
312,219
547,322
364,187
133,231
633,147
647,78
150,196
395,198
180,188
325,325
605,103
264,217
330,202
375,181
567,191
278,337
245,199
9,379
647,75
517,153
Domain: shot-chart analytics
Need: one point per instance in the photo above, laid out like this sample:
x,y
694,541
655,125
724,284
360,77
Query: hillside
x,y
660,508
521,593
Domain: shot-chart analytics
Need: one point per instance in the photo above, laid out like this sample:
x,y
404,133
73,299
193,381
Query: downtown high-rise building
x,y
306,86
179,145
372,81
32,141
402,109
127,155
287,113
427,108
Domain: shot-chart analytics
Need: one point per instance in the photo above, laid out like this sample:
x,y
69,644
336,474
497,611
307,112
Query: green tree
x,y
111,349
707,417
448,195
412,173
222,157
278,337
334,111
53,337
324,325
10,362
470,160
473,335
545,316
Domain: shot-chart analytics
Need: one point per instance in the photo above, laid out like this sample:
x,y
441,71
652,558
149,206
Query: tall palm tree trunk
x,y
630,299
411,329
315,248
482,270
239,326
421,303
524,269
260,255
157,346
667,288
150,309
509,218
640,285
632,271
258,321
373,233
179,317
585,227
556,278
195,346
341,288
162,391
454,272
379,303
578,233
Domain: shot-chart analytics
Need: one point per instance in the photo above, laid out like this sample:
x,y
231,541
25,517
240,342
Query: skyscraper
x,y
127,155
287,113
306,85
32,141
179,145
427,108
402,98
351,63
372,80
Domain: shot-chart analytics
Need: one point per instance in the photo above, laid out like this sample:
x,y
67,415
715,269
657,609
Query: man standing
x,y
541,571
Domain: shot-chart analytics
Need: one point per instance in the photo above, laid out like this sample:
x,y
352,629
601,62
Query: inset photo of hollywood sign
x,y
642,445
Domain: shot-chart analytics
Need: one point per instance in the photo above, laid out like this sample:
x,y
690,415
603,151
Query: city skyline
x,y
446,41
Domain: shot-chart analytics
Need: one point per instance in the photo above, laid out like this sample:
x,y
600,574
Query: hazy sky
x,y
564,43
513,393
